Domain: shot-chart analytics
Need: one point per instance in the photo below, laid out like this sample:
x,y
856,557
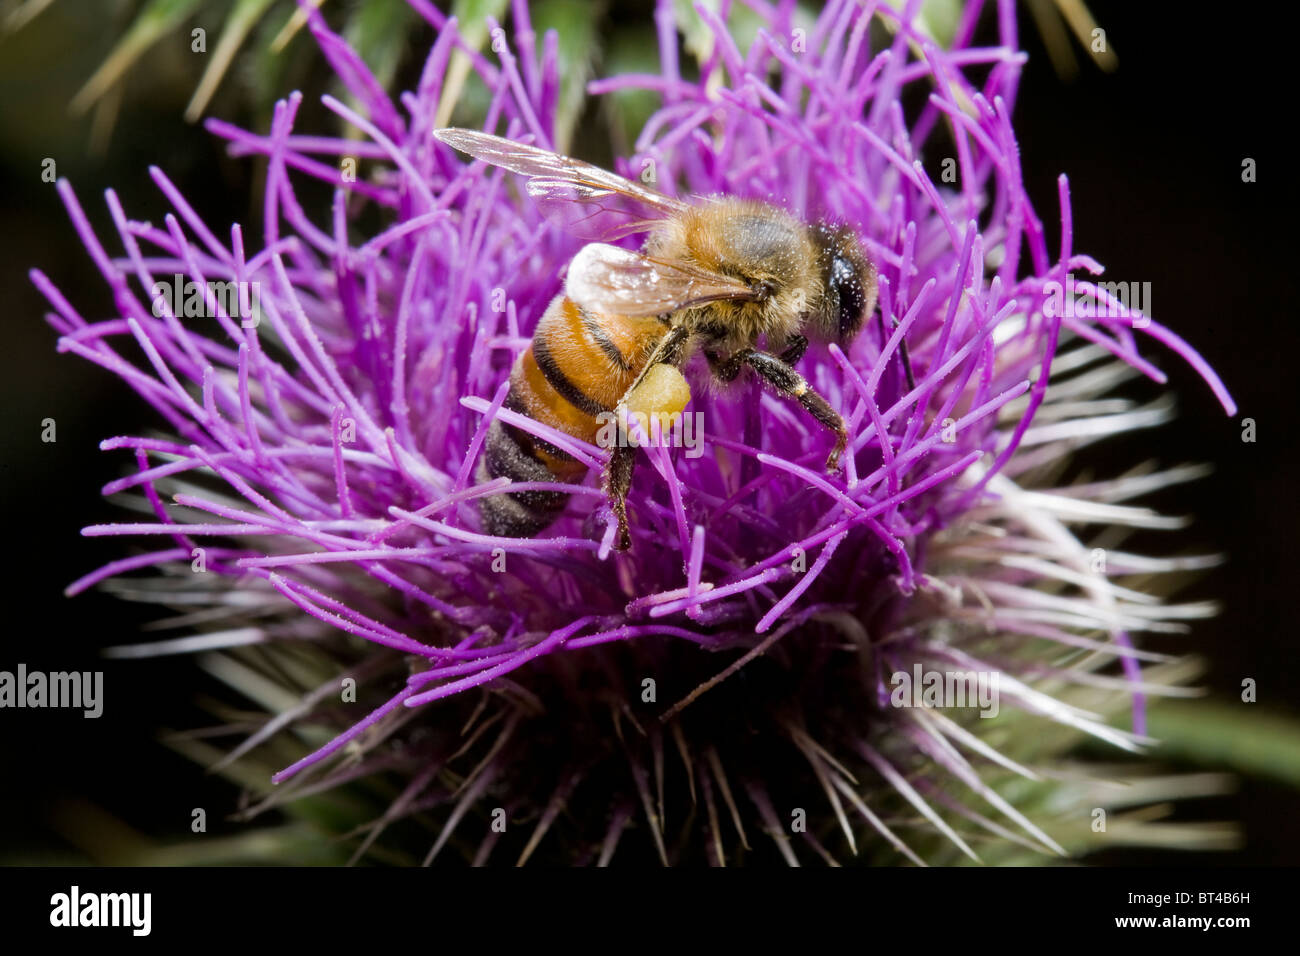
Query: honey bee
x,y
718,275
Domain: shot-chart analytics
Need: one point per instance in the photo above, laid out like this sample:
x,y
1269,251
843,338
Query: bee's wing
x,y
591,202
614,281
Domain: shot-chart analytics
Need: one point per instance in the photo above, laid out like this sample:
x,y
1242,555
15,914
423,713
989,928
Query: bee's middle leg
x,y
789,383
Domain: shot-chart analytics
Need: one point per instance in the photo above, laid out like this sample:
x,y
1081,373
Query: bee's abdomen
x,y
577,368
509,453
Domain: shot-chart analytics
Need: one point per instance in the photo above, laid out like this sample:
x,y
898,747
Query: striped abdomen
x,y
579,366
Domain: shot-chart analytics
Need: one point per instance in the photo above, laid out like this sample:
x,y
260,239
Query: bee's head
x,y
849,281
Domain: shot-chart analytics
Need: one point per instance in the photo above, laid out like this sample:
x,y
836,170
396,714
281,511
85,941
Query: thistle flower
x,y
737,671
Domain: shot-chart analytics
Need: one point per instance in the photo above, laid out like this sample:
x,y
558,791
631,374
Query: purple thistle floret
x,y
323,460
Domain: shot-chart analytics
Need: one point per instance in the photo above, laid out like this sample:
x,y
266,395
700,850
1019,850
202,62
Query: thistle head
x,y
745,662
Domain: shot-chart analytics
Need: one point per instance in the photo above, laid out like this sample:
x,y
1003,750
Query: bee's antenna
x,y
902,351
907,361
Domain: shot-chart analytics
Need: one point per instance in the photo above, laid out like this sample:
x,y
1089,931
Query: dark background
x,y
1154,153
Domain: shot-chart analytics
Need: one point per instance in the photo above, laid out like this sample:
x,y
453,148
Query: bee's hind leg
x,y
618,473
778,374
617,482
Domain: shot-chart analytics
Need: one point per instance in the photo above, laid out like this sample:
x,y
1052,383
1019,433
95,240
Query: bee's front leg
x,y
796,346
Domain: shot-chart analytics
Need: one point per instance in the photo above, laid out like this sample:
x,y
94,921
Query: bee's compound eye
x,y
847,280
